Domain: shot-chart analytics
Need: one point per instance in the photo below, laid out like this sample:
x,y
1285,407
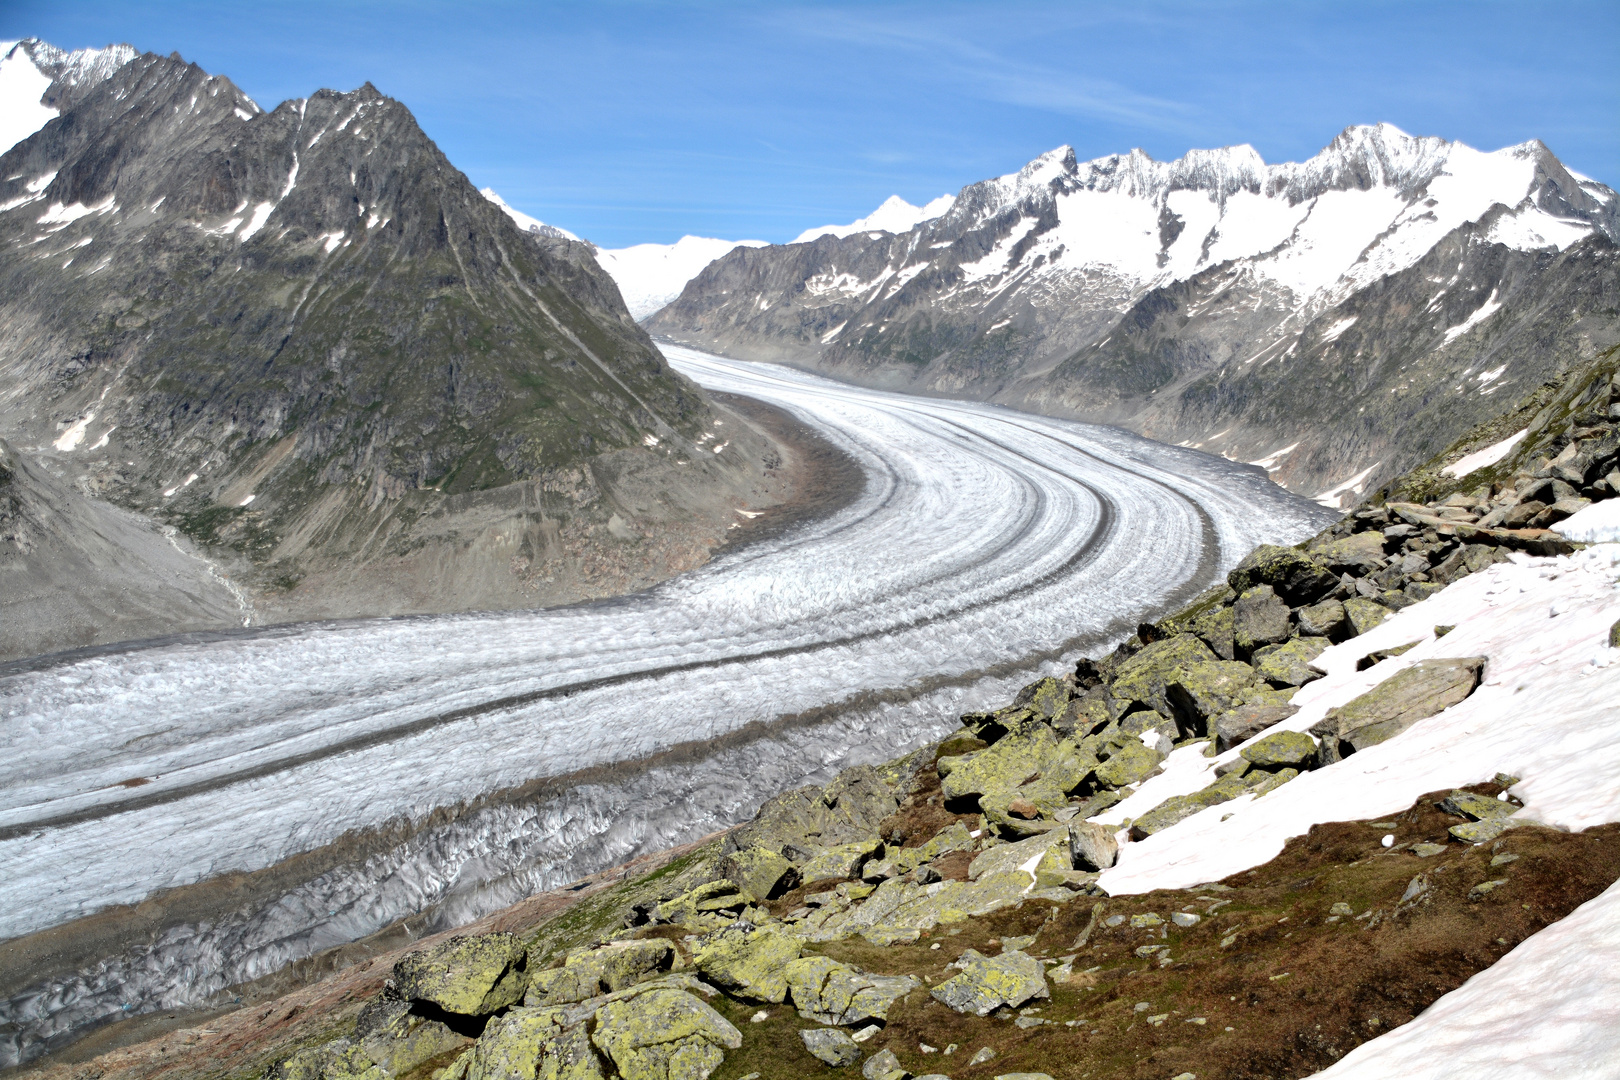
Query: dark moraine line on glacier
x,y
986,544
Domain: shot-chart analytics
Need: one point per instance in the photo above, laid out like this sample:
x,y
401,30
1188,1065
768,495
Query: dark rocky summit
x,y
303,339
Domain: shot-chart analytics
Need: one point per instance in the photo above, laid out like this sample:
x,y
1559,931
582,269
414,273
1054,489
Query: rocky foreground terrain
x,y
1336,321
1048,891
349,382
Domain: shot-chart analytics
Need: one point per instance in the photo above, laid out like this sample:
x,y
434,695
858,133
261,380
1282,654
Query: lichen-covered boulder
x,y
1203,690
1397,703
759,871
1214,628
1025,810
1180,807
1014,759
747,962
697,907
472,976
1289,664
534,1044
1360,553
986,983
831,1046
1326,619
1364,614
1130,763
1294,576
883,1065
338,1060
1247,721
397,1040
1048,848
1092,846
664,1035
1045,697
1145,676
829,992
1282,749
588,972
1259,618
841,861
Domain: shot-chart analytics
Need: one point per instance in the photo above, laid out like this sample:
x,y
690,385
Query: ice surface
x,y
987,544
1481,459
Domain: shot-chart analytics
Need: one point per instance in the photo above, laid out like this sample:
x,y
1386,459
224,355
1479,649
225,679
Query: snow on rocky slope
x,y
27,71
895,215
1214,300
651,275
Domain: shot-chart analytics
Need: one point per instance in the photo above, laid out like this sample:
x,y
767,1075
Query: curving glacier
x,y
489,756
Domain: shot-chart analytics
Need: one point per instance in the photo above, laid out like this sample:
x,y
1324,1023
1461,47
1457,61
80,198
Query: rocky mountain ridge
x,y
1199,301
305,340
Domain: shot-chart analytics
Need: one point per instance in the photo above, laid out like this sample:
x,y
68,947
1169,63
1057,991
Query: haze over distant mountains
x,y
1336,320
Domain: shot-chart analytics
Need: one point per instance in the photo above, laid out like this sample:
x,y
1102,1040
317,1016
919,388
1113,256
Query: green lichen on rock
x,y
747,962
664,1035
1202,690
759,871
473,976
1259,618
1282,749
830,992
1131,763
1326,619
1294,576
1289,664
830,1046
986,983
1397,703
529,1043
1145,677
1364,614
1014,759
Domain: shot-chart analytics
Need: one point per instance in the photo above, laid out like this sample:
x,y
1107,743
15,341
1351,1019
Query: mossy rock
x,y
1294,576
664,1035
1203,690
1289,664
759,871
747,962
533,1043
471,976
830,992
1260,618
1364,614
1282,749
1131,763
987,983
1014,759
1144,677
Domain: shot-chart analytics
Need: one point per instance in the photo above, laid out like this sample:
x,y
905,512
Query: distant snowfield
x,y
21,85
895,215
651,275
987,545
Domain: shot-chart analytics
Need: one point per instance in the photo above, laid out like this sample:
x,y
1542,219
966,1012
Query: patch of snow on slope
x,y
651,275
1491,306
1540,623
21,86
1596,524
1480,459
1532,229
524,221
1332,333
895,216
1550,1008
1334,496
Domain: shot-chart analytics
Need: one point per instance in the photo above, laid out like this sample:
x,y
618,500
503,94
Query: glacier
x,y
463,762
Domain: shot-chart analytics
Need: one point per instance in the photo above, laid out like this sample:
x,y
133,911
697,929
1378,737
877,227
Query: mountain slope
x,y
303,337
1037,288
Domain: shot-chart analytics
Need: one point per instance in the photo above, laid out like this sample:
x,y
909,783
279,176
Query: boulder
x,y
1232,783
1478,807
1024,810
1050,848
1360,553
1092,846
527,1044
588,972
1045,697
470,976
1363,614
988,983
760,872
663,1035
829,992
1085,714
1145,676
1614,635
1396,704
1270,781
747,962
1283,749
1294,576
883,1065
1289,664
1130,763
1326,619
831,1046
1247,721
841,861
1214,628
1259,618
1015,759
1203,690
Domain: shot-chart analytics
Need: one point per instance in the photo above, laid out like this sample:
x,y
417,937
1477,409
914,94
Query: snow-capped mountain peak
x,y
35,78
895,215
524,221
651,275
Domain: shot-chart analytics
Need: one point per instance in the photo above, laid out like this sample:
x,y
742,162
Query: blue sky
x,y
631,122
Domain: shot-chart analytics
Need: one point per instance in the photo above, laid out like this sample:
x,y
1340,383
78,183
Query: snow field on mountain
x,y
651,275
895,215
21,86
1547,711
